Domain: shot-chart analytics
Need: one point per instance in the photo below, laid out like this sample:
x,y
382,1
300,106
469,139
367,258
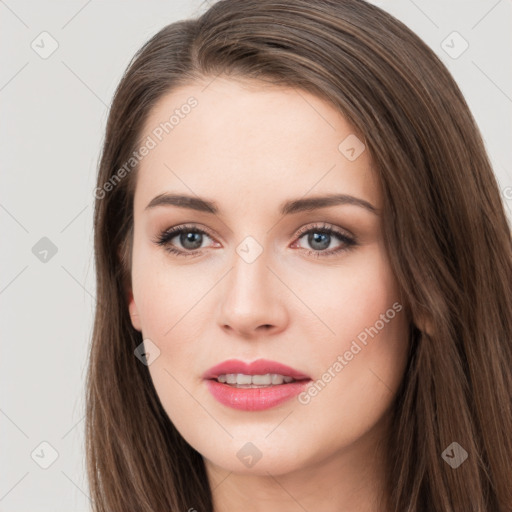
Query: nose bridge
x,y
249,275
250,298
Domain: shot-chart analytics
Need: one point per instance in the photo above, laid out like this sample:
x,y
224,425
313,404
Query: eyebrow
x,y
287,208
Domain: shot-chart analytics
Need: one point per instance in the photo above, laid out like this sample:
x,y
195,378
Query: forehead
x,y
250,142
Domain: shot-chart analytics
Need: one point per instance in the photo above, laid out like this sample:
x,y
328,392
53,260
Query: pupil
x,y
322,238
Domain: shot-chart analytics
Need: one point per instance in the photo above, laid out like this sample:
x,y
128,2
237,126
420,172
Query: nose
x,y
252,299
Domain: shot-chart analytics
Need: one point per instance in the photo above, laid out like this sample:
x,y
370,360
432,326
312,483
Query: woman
x,y
303,274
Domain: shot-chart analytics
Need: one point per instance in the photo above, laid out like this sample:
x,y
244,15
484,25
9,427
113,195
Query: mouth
x,y
241,380
254,386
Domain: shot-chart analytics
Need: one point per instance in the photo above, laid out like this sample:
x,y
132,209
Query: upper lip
x,y
258,367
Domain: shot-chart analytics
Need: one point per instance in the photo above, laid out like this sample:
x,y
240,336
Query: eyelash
x,y
166,236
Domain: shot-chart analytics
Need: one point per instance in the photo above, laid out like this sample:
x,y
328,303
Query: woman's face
x,y
263,279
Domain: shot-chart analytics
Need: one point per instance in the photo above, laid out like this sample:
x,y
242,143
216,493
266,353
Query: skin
x,y
249,147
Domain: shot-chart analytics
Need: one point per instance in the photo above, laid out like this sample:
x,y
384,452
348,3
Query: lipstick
x,y
231,383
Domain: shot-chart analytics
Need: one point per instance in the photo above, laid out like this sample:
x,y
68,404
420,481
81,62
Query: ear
x,y
124,260
424,324
134,313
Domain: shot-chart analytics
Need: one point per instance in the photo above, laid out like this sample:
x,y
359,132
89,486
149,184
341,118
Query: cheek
x,y
345,299
358,380
164,293
169,303
172,307
361,365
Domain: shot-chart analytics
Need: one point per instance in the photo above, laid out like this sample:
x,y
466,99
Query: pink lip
x,y
254,399
258,367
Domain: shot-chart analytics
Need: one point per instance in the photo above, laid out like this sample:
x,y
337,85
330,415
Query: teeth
x,y
243,379
240,379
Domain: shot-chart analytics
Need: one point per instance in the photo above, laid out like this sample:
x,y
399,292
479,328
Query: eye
x,y
190,237
320,238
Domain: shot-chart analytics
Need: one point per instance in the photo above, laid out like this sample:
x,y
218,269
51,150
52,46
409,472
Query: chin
x,y
258,456
267,464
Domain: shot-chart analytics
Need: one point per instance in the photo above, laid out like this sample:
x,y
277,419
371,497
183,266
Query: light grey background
x,y
53,114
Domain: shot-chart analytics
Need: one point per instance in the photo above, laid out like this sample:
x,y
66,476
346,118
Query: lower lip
x,y
254,399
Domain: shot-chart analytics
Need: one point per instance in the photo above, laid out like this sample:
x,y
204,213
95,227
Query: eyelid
x,y
185,227
324,226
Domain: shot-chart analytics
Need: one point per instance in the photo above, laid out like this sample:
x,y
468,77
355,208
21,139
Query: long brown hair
x,y
444,225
